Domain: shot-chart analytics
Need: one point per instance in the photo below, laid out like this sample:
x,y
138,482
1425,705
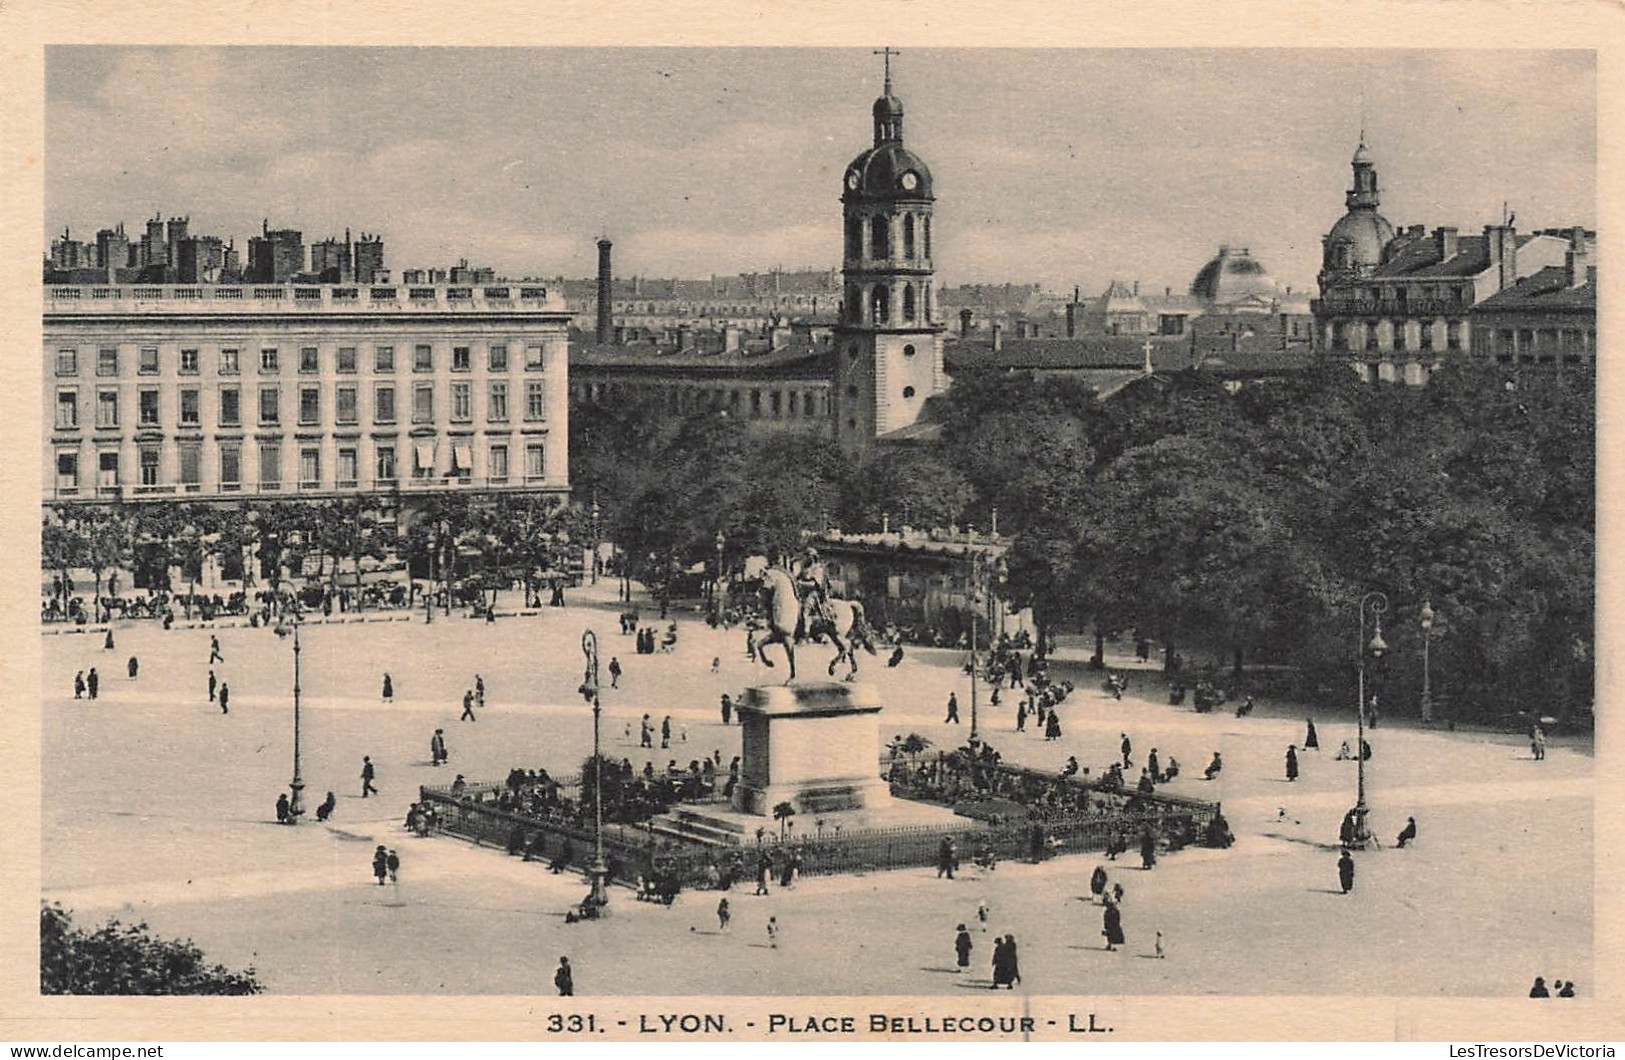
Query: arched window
x,y
880,304
926,234
908,236
880,236
854,238
928,303
908,303
854,303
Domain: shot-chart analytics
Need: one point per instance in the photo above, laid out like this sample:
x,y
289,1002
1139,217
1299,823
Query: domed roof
x,y
888,106
887,171
1366,232
1232,276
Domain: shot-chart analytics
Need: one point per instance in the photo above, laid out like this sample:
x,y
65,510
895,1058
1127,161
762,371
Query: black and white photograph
x,y
883,519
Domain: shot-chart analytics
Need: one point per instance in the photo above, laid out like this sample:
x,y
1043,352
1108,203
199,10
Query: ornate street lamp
x,y
296,787
598,896
1377,604
716,583
1426,617
595,535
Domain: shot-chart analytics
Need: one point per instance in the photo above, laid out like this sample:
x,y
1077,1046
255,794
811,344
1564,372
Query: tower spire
x,y
887,52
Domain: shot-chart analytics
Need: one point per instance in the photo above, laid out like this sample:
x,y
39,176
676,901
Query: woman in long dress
x,y
1097,882
1052,726
1113,927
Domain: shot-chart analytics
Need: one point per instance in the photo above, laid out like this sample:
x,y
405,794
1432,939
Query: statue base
x,y
815,746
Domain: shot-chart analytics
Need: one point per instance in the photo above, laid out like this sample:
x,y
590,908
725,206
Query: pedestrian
x,y
646,733
981,914
716,664
107,642
1213,767
665,732
214,684
946,856
1127,748
1160,955
1406,834
1112,925
1538,746
225,697
750,644
380,864
953,710
389,689
325,810
962,947
1052,725
437,747
393,863
1291,762
1311,739
565,979
1117,894
92,682
214,650
1001,966
682,733
79,686
727,709
1148,849
367,774
134,667
1012,964
1345,871
724,914
1021,716
468,705
282,814
1153,766
772,932
1097,883
479,691
1539,989
1566,989
614,672
1371,713
764,869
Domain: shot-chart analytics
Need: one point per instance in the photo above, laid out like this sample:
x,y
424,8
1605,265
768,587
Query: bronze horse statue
x,y
784,607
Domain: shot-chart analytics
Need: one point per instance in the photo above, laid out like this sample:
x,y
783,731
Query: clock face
x,y
852,180
910,181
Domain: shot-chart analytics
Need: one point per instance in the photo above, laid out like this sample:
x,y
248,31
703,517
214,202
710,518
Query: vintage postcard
x,y
919,525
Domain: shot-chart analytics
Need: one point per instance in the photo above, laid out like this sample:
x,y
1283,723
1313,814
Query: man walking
x,y
962,948
437,747
646,733
614,672
380,864
225,697
92,682
479,691
1128,749
393,863
1345,871
953,710
213,685
79,687
468,706
665,732
214,650
367,774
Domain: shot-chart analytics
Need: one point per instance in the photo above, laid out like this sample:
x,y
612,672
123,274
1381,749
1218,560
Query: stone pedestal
x,y
815,746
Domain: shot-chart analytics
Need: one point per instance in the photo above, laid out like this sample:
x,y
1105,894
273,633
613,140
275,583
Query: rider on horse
x,y
812,583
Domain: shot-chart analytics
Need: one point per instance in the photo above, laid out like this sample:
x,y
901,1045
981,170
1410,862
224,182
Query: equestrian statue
x,y
799,607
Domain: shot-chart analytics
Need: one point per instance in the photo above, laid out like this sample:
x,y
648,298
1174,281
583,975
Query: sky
x,y
1063,167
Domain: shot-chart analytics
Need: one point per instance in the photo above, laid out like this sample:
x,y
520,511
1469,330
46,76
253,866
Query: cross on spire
x,y
887,52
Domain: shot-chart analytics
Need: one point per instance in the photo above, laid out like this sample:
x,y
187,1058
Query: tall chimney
x,y
605,295
998,336
964,323
1445,242
1502,243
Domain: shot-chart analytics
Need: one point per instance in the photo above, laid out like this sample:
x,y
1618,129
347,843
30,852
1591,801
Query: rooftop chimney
x,y
964,323
1444,240
1502,243
1072,314
606,303
1136,288
998,336
685,338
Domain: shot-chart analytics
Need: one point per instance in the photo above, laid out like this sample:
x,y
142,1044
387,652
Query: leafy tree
x,y
119,958
782,814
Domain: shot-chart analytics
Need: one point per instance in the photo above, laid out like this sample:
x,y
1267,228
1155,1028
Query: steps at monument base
x,y
699,827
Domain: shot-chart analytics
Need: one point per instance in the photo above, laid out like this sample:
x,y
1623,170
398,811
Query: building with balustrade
x,y
226,392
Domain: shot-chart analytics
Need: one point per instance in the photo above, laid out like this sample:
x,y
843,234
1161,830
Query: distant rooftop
x,y
229,299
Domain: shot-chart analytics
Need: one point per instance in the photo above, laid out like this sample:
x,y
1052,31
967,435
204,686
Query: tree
x,y
782,814
120,958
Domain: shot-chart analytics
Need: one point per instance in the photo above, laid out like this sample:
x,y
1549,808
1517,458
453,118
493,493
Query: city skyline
x,y
1087,166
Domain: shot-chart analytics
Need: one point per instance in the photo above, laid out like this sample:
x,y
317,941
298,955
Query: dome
x,y
888,106
1365,233
1232,276
888,171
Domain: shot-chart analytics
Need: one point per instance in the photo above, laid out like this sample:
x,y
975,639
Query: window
x,y
854,238
908,302
67,470
344,360
497,465
191,407
310,467
189,362
107,408
231,409
344,404
268,360
348,467
423,359
1371,335
535,359
535,401
908,236
148,363
1452,335
385,463
228,362
67,362
423,403
462,402
310,359
423,460
383,359
310,404
1400,340
383,404
191,465
270,466
67,409
879,236
497,360
1425,336
107,362
107,468
147,410
149,465
231,467
496,409
461,360
755,404
774,403
270,405
535,465
925,231
880,304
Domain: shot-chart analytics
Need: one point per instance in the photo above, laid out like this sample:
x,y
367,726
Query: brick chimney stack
x,y
964,323
606,302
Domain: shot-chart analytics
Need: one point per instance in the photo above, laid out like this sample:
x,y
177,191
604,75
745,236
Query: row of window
x,y
189,405
880,237
1340,335
228,359
758,404
385,466
880,303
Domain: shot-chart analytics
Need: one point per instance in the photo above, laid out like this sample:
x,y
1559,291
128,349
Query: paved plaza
x,y
159,808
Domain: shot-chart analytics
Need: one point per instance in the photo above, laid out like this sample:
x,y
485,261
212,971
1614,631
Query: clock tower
x,y
888,345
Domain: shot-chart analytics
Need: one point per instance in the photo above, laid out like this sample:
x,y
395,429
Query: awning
x,y
425,456
461,459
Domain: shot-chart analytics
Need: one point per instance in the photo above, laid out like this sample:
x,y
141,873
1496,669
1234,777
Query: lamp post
x,y
1376,603
595,536
716,583
296,786
598,896
975,603
1425,618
